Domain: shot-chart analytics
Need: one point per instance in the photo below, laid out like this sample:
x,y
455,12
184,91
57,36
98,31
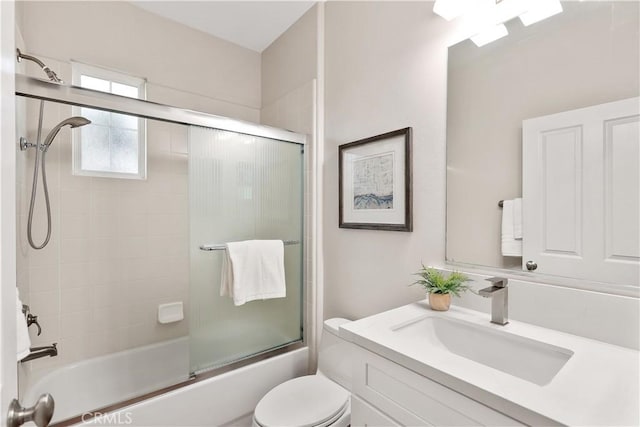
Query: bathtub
x,y
225,400
101,381
228,398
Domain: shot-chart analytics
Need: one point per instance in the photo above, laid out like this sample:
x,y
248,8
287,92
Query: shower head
x,y
76,121
73,122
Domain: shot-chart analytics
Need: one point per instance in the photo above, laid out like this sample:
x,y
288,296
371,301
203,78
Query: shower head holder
x,y
25,144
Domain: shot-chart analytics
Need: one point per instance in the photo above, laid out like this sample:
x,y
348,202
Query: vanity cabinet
x,y
365,415
385,393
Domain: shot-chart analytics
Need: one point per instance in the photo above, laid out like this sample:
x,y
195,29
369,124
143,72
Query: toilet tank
x,y
335,354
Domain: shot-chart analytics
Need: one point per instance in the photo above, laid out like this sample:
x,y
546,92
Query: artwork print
x,y
373,182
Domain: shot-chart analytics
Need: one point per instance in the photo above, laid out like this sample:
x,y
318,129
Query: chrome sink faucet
x,y
498,292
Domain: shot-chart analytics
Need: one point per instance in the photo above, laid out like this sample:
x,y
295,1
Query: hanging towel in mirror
x,y
510,246
517,219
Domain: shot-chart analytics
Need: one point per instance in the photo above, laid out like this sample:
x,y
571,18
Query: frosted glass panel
x,y
242,187
97,117
95,150
124,150
124,121
112,143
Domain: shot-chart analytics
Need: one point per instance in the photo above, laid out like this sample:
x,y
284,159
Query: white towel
x,y
22,332
517,219
252,270
510,246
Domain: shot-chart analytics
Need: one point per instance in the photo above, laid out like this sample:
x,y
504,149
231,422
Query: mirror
x,y
583,57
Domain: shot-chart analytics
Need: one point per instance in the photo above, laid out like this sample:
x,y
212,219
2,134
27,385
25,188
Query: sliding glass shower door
x,y
242,187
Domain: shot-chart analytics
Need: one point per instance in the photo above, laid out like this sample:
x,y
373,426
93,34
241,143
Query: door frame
x,y
8,367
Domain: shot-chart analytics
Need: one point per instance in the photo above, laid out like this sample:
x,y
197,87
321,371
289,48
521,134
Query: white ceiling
x,y
251,24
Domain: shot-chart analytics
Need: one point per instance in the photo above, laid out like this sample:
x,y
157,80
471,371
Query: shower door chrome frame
x,y
31,87
41,89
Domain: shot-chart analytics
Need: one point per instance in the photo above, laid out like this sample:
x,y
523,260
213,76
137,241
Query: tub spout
x,y
38,352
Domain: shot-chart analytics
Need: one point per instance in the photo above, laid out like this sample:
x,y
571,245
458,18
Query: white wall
x,y
386,65
291,60
386,68
289,97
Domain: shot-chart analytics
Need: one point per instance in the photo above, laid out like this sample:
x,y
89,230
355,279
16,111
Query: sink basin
x,y
530,360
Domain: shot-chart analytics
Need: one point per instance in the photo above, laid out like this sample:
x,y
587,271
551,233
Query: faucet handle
x,y
30,318
498,282
33,320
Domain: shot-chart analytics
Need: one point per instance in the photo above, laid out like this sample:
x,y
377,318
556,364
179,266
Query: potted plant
x,y
440,288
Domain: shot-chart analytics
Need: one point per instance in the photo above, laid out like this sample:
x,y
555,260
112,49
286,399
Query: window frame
x,y
78,70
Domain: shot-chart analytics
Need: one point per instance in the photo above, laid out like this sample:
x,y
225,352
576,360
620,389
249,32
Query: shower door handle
x,y
40,413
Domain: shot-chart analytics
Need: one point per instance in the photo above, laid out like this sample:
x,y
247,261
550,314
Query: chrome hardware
x,y
25,144
31,319
44,351
222,246
40,413
48,71
498,293
531,265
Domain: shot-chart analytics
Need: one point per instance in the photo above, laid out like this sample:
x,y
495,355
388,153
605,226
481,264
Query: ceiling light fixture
x,y
487,17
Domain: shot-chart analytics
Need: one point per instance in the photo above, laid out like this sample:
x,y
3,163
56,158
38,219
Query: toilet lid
x,y
307,401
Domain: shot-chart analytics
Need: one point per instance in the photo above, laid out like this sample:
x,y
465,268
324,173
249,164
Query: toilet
x,y
319,400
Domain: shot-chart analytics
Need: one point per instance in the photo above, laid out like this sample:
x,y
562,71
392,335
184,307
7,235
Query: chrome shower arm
x,y
20,56
48,71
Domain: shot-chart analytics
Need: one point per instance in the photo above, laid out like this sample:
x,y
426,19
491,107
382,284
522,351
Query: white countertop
x,y
598,385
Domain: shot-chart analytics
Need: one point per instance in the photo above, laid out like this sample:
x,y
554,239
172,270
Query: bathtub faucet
x,y
38,352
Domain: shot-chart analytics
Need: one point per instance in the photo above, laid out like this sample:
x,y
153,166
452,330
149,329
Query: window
x,y
114,145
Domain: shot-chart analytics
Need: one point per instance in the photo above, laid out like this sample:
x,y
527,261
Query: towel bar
x,y
222,246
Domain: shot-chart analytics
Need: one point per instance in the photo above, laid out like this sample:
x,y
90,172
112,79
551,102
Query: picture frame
x,y
375,182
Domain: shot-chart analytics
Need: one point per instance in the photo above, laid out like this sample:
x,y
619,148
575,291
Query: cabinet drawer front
x,y
365,415
413,399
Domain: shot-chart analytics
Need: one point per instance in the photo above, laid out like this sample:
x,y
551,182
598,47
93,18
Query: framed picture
x,y
375,182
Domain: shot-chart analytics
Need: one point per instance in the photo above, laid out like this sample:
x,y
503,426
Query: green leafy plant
x,y
434,281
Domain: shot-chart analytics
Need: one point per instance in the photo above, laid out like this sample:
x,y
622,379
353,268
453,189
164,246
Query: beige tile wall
x,y
118,247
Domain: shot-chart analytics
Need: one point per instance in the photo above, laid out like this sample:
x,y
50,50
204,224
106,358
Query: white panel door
x,y
581,192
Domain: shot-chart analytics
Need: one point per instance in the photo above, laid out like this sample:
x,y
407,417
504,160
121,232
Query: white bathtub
x,y
101,381
224,400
